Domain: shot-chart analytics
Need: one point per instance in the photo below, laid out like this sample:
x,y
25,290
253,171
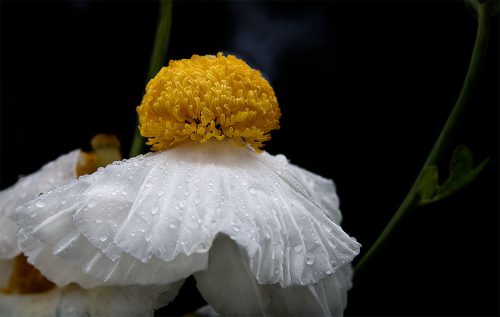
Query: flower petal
x,y
48,177
321,189
230,287
153,218
74,301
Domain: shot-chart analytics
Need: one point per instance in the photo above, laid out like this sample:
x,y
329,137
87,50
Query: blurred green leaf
x,y
473,6
428,184
462,173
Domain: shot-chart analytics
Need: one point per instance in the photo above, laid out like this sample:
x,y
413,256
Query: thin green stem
x,y
157,61
443,142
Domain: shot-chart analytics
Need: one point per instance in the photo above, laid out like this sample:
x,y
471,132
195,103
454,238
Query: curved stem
x,y
443,141
157,61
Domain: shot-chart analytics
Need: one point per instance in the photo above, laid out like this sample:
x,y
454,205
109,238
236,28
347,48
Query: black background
x,y
364,88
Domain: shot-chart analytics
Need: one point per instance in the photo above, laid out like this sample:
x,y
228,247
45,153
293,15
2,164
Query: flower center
x,y
26,279
208,97
106,149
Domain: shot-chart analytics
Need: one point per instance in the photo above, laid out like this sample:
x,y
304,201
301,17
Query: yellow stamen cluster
x,y
208,97
106,149
26,279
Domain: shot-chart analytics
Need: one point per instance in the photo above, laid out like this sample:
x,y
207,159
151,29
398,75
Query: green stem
x,y
157,61
443,142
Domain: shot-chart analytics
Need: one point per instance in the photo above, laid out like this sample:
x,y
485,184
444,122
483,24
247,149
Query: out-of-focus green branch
x,y
429,170
157,61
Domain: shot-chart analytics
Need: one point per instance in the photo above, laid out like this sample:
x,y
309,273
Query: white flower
x,y
73,301
48,177
155,219
24,292
261,236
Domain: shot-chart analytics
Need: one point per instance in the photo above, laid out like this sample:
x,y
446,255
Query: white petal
x,y
230,287
47,178
75,301
321,189
153,218
206,311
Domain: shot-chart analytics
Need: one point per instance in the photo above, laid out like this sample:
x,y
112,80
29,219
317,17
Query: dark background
x,y
364,88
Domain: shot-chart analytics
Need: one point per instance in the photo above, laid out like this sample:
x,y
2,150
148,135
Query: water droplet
x,y
252,191
147,185
179,187
103,238
154,210
236,229
328,272
310,259
63,202
327,228
160,192
135,164
182,204
91,203
98,220
196,201
298,248
172,225
40,204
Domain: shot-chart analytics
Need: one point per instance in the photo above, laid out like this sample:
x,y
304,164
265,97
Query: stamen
x,y
208,97
106,149
26,279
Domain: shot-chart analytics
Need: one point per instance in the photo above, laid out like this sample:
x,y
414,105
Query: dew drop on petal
x,y
103,238
91,203
310,259
252,191
327,228
160,192
236,228
40,204
147,185
154,210
298,248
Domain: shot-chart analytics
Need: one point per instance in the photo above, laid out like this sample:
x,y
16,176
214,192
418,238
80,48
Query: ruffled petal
x,y
320,189
74,301
153,218
47,178
231,289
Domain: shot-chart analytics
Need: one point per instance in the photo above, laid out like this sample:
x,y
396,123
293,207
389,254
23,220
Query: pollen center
x,y
208,97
